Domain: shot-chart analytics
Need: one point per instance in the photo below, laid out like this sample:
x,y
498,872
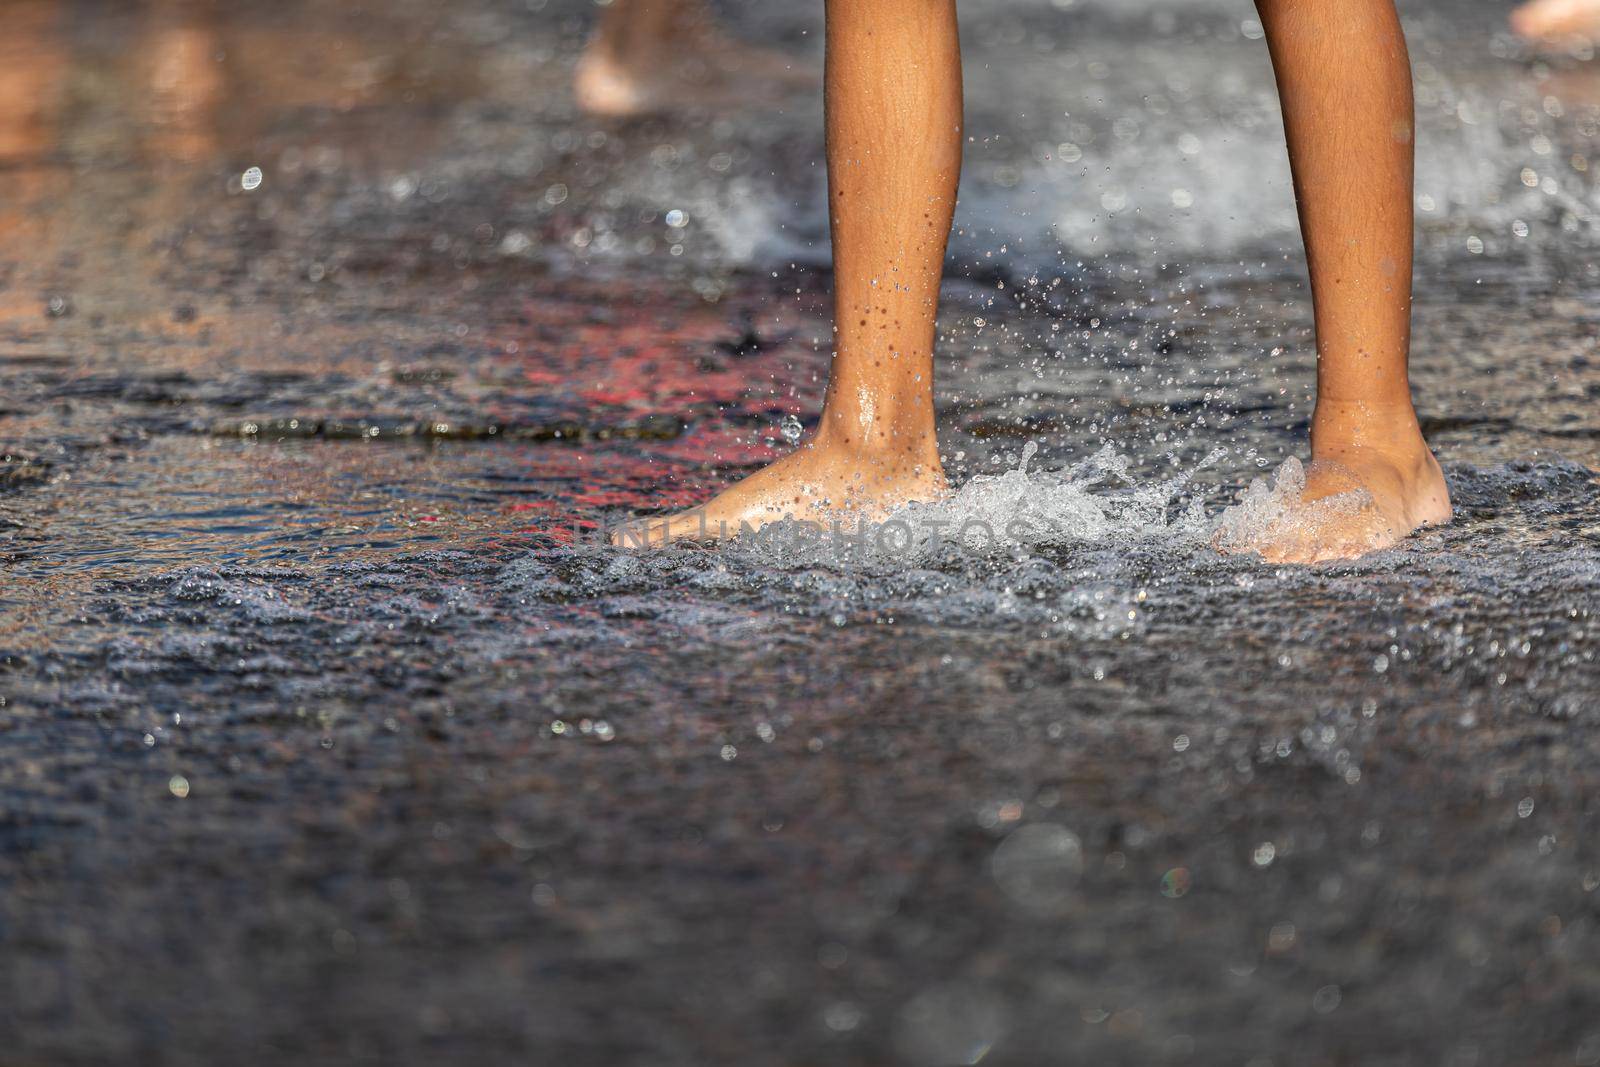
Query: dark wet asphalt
x,y
327,735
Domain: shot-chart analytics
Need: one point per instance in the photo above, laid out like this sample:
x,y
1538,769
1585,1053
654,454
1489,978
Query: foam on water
x,y
1279,508
1095,502
1013,513
1017,509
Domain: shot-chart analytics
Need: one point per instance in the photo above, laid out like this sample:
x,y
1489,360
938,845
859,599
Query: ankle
x,y
886,425
902,453
1388,426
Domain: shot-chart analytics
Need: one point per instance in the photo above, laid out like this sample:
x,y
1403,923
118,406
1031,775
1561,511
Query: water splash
x,y
1279,511
1019,509
1016,512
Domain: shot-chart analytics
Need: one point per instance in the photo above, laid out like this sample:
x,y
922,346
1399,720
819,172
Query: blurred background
x,y
1146,126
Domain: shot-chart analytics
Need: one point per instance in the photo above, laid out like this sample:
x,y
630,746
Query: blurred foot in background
x,y
33,69
1549,19
184,79
652,56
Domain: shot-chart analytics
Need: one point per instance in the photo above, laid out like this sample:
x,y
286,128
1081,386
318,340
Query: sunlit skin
x,y
894,140
893,91
1549,19
661,55
1345,87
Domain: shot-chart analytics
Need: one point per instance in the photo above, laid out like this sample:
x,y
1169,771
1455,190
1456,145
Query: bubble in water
x,y
949,1026
1326,999
251,179
791,429
1038,866
841,1016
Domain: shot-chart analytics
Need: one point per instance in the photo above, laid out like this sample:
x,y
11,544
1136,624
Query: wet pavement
x,y
329,733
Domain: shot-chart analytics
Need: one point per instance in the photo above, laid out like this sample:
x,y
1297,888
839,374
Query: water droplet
x,y
841,1016
949,1026
1038,866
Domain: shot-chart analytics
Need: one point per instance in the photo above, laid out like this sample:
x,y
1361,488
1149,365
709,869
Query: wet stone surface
x,y
329,732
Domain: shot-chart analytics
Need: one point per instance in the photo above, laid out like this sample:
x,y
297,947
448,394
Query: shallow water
x,y
331,734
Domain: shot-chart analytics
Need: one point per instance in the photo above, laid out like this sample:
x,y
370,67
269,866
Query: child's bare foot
x,y
894,158
1369,486
713,72
1546,19
817,483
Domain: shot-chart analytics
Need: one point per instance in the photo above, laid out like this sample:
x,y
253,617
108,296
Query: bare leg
x,y
1345,83
658,55
894,158
1558,18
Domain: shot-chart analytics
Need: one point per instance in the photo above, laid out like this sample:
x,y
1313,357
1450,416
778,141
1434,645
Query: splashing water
x,y
1271,512
1013,512
1018,509
1019,512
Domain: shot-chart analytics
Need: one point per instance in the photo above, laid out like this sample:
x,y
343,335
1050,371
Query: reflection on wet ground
x,y
330,734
